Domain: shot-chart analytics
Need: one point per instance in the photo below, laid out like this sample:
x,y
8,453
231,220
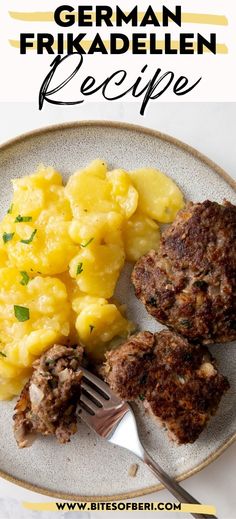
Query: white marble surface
x,y
209,127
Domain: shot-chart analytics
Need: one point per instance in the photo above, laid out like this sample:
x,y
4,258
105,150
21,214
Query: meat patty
x,y
178,382
127,367
190,283
47,403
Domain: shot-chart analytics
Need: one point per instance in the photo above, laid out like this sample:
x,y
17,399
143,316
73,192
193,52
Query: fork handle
x,y
174,488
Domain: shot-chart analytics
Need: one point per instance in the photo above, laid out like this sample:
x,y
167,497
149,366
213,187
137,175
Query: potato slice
x,y
89,191
46,249
7,369
159,196
100,228
32,194
101,257
96,269
12,387
24,338
81,302
36,226
98,324
141,234
123,192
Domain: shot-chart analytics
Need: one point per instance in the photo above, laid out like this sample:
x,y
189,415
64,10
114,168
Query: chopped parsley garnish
x,y
141,397
152,301
91,328
10,209
87,243
186,323
7,236
21,313
2,354
20,218
25,278
49,362
79,269
30,239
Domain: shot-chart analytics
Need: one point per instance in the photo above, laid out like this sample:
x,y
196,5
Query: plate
x,y
88,468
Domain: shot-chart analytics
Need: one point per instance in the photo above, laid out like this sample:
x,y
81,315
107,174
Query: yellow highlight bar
x,y
210,19
221,48
118,506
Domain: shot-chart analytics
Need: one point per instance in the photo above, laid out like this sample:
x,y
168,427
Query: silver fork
x,y
114,420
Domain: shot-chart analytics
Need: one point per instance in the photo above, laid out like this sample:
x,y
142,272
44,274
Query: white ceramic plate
x,y
88,468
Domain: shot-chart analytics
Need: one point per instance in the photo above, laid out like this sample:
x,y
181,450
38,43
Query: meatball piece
x,y
190,283
47,403
178,381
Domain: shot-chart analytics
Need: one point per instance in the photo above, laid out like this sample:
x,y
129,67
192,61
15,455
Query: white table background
x,y
211,128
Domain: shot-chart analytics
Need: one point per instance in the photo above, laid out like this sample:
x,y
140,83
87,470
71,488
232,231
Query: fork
x,y
113,419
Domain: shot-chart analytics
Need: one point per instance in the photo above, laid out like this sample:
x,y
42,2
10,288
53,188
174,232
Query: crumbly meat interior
x,y
190,283
47,403
179,382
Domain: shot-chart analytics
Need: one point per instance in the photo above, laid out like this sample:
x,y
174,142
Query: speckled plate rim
x,y
219,171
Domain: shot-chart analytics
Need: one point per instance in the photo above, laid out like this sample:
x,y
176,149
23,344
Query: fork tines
x,y
93,393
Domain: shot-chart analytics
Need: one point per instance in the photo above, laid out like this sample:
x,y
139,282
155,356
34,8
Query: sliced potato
x,y
96,269
97,228
141,234
82,301
98,324
45,299
89,191
123,192
159,196
7,369
12,387
37,225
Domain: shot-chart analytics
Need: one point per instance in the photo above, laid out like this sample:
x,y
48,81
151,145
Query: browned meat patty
x,y
127,367
190,283
179,382
48,401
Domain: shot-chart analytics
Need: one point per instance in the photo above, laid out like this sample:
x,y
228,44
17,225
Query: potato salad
x,y
62,249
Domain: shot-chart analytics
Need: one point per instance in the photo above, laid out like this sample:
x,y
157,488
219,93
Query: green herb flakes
x,y
186,323
7,236
79,269
87,243
2,354
20,219
25,278
49,362
30,239
10,209
21,313
141,397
